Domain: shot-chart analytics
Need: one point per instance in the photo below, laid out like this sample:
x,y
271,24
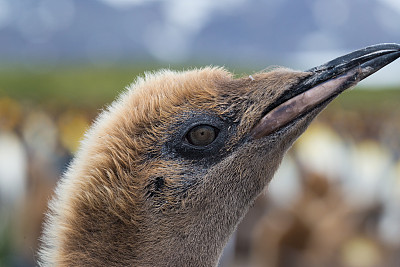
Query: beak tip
x,y
326,82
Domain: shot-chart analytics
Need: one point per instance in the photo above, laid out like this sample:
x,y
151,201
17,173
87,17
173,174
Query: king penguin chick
x,y
166,173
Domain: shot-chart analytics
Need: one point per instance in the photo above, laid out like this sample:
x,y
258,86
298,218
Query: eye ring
x,y
202,135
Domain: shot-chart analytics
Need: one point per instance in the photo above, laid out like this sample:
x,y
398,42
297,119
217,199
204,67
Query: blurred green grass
x,y
72,86
88,87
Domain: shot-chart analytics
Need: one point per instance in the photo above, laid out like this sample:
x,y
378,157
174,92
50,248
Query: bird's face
x,y
212,142
202,142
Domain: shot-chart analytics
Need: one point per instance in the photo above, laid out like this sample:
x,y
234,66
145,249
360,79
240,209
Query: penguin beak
x,y
323,85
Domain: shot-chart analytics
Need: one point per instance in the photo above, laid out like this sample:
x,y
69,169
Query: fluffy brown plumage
x,y
138,193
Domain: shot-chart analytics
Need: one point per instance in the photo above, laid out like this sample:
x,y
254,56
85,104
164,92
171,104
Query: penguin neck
x,y
181,247
100,234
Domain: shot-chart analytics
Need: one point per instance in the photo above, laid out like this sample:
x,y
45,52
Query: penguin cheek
x,y
167,185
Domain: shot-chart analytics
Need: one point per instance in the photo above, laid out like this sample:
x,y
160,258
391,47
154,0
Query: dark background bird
x,y
48,99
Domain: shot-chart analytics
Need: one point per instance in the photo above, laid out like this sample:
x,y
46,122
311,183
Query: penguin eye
x,y
202,135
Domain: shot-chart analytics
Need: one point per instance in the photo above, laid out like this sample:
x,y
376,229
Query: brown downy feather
x,y
98,214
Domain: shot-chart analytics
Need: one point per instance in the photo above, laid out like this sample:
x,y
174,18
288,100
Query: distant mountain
x,y
218,32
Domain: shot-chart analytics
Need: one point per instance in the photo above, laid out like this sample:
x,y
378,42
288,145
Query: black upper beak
x,y
325,82
368,60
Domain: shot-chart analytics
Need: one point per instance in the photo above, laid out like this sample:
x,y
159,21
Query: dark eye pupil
x,y
201,135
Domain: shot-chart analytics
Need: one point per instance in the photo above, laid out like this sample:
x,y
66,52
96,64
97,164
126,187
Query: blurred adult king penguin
x,y
168,170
